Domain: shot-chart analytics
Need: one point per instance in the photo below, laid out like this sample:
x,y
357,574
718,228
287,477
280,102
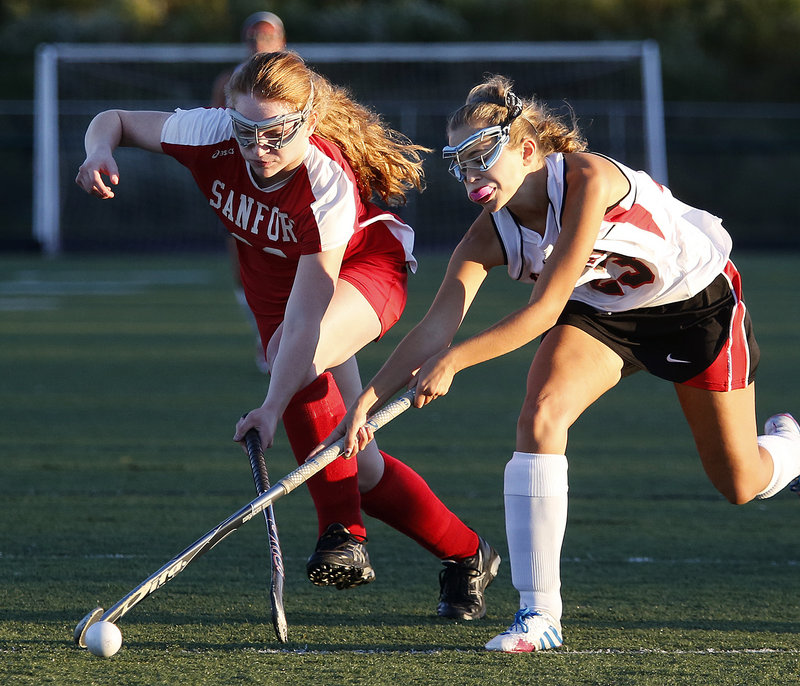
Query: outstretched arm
x,y
433,335
106,132
478,252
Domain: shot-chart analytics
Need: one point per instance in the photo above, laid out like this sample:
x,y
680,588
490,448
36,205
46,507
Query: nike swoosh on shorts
x,y
670,358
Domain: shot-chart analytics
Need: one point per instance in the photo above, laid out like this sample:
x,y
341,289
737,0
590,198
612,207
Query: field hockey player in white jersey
x,y
290,168
625,278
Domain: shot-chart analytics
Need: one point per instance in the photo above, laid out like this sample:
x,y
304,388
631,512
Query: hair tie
x,y
513,104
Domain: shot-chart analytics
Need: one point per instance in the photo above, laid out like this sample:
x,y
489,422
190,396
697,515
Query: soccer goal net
x,y
613,88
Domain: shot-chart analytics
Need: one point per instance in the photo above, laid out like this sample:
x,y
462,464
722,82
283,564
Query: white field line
x,y
88,556
27,304
635,560
560,652
33,283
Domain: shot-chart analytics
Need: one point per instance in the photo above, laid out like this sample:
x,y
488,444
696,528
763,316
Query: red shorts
x,y
706,341
375,265
382,281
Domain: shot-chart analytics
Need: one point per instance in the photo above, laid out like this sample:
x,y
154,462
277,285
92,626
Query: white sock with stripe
x,y
535,490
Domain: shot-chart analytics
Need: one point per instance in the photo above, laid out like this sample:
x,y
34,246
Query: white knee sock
x,y
785,452
535,489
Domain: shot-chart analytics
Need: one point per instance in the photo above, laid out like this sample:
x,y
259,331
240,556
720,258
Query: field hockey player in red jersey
x,y
624,277
290,168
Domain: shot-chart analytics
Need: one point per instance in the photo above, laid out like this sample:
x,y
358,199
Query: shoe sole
x,y
525,647
340,576
550,639
452,613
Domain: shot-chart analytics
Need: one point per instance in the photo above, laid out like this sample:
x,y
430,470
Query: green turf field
x,y
120,383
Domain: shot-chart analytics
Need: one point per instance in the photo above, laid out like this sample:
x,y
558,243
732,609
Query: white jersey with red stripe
x,y
652,249
318,208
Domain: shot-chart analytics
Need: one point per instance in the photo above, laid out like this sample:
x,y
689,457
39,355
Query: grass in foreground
x,y
120,383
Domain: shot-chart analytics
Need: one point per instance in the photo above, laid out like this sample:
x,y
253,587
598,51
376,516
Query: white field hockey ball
x,y
103,639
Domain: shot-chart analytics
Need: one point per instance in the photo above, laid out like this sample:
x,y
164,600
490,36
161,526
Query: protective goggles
x,y
275,132
480,151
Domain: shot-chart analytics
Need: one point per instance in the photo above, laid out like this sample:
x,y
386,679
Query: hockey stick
x,y
261,479
205,543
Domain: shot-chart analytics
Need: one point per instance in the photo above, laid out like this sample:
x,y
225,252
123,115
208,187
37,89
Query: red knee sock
x,y
405,502
311,415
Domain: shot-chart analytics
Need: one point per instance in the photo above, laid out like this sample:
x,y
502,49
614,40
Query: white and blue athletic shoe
x,y
531,631
785,424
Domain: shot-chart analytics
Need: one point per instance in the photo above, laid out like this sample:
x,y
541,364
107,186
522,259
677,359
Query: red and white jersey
x,y
651,248
318,208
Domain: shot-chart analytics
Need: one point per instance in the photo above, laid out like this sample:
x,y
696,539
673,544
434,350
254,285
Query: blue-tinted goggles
x,y
479,151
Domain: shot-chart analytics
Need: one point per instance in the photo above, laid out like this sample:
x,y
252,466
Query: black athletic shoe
x,y
340,560
463,583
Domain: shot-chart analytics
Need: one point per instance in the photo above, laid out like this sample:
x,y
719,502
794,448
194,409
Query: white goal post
x,y
614,89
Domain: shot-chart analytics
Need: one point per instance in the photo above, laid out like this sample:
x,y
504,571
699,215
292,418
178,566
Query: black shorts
x,y
706,341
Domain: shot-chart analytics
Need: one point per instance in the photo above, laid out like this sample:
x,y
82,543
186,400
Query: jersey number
x,y
634,275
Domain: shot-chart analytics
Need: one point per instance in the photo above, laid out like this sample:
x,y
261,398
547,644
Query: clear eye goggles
x,y
275,132
479,151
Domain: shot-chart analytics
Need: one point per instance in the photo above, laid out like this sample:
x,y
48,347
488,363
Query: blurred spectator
x,y
261,32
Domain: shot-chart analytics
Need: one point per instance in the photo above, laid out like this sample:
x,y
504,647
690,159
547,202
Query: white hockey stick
x,y
205,543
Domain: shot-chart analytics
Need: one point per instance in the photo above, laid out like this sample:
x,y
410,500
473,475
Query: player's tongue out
x,y
481,194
